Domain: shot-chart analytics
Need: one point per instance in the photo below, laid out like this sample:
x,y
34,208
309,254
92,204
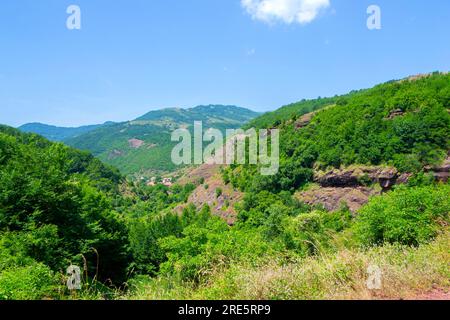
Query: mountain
x,y
209,114
55,133
60,207
401,123
334,150
357,179
144,144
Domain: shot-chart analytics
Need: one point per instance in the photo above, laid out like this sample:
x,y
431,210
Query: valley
x,y
142,147
375,192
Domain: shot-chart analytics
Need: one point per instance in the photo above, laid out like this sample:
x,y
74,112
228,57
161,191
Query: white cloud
x,y
288,11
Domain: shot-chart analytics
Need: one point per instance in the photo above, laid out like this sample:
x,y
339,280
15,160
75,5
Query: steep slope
x,y
54,133
362,143
55,206
144,146
405,124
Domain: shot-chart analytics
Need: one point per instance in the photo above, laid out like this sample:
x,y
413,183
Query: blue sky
x,y
132,56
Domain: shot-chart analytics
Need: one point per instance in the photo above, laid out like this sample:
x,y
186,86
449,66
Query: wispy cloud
x,y
250,52
287,11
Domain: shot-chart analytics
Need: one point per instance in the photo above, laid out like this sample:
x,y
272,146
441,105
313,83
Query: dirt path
x,y
433,295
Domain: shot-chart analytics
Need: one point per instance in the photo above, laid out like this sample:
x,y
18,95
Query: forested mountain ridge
x,y
404,124
144,145
210,114
55,133
295,110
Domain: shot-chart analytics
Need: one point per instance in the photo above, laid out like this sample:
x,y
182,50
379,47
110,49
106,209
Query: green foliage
x,y
292,111
53,208
32,282
144,236
405,124
209,244
421,179
257,208
60,206
363,133
219,192
156,199
409,216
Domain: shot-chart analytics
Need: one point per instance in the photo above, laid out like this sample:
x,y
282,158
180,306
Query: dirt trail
x,y
433,295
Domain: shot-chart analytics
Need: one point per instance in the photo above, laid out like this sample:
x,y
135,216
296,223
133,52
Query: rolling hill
x,y
143,145
55,133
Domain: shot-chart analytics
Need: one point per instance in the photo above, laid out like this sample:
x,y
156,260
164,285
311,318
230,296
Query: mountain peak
x,y
199,113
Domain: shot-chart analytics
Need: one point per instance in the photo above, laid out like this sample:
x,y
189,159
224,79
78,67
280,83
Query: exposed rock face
x,y
358,176
347,186
304,120
135,143
404,178
441,173
223,205
202,172
396,113
332,199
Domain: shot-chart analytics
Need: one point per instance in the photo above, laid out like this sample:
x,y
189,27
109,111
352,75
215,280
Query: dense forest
x,y
60,206
359,128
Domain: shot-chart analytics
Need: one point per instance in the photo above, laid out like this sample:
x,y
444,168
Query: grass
x,y
407,273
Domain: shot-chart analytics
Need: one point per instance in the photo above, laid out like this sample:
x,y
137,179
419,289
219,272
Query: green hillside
x,y
210,114
405,124
60,206
54,133
151,134
283,248
292,111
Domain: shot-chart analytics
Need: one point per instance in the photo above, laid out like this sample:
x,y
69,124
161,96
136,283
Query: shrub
x,y
408,216
207,245
32,282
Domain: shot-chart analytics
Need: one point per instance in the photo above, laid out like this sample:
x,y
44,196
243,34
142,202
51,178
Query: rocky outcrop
x,y
395,113
442,172
135,143
221,204
304,120
333,199
358,176
350,186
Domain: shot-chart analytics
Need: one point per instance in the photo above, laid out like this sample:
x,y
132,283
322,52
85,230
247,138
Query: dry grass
x,y
407,273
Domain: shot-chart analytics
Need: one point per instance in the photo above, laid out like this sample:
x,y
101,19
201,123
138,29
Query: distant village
x,y
154,181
